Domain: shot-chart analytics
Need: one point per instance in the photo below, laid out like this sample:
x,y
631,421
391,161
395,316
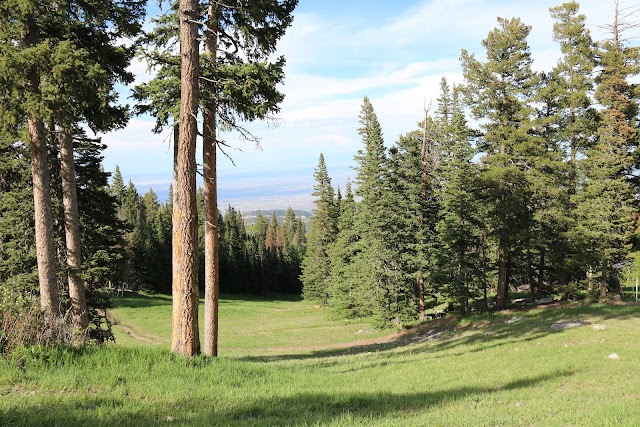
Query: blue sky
x,y
338,52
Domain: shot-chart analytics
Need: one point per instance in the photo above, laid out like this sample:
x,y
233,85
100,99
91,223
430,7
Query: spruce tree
x,y
316,266
64,42
101,241
498,92
378,265
348,297
411,215
605,202
102,237
576,117
461,229
564,125
17,249
117,190
24,46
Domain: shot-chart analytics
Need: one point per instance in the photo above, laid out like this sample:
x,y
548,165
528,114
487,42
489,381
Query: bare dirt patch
x,y
134,335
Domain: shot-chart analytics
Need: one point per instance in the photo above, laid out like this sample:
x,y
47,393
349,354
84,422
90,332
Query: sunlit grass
x,y
507,369
247,324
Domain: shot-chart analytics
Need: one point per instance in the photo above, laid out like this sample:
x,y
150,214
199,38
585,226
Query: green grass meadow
x,y
284,363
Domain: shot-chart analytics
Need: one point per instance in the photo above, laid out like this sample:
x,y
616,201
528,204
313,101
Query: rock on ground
x,y
566,325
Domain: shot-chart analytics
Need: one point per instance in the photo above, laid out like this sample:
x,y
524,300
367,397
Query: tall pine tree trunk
x,y
541,268
421,306
211,276
72,234
176,322
45,250
603,281
185,338
503,286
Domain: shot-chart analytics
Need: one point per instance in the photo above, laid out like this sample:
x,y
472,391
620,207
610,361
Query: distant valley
x,y
250,217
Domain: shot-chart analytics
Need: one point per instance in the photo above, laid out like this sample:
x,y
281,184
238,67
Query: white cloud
x,y
333,60
140,69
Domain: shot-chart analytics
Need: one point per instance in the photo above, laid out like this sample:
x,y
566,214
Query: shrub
x,y
24,324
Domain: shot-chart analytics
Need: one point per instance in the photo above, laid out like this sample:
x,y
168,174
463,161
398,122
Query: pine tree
x,y
316,266
564,126
61,43
348,297
498,92
117,190
292,252
185,339
24,47
411,215
378,265
239,85
17,249
576,115
88,54
371,161
606,201
101,241
102,238
461,229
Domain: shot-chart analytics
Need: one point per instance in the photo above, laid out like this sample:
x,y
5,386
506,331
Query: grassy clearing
x,y
481,371
248,324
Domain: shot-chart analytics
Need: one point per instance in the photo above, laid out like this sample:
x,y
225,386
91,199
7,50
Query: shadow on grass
x,y
297,409
142,300
227,298
477,333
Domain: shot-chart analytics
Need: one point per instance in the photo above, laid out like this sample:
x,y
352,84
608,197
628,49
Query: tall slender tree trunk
x,y
185,338
211,271
530,274
211,275
176,322
45,250
72,234
421,305
541,268
502,290
603,281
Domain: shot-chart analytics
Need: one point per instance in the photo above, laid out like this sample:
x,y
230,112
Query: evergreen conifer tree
x,y
238,82
316,266
498,92
348,297
461,228
377,265
605,202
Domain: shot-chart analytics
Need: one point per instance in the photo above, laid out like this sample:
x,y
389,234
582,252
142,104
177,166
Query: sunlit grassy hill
x,y
284,364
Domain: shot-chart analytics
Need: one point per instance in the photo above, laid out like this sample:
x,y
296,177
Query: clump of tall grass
x,y
24,324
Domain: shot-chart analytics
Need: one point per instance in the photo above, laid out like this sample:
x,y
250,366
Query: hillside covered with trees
x,y
517,180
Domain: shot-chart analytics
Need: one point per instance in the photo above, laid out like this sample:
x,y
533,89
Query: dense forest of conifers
x,y
518,180
126,238
260,258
